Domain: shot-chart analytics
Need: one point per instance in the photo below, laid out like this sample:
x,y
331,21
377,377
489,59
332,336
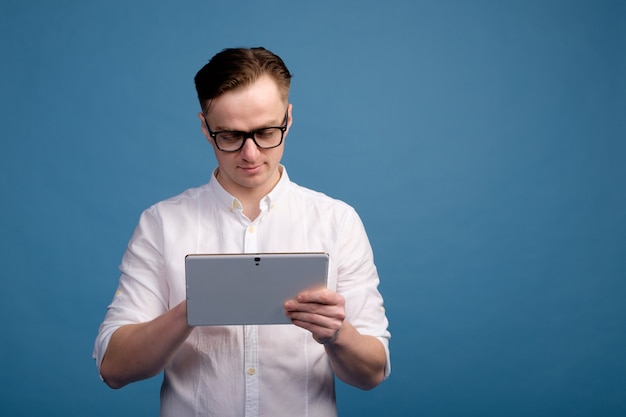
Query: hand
x,y
320,311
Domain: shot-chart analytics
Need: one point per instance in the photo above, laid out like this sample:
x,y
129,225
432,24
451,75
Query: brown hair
x,y
239,67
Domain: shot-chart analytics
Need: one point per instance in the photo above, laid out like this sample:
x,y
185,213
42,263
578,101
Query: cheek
x,y
277,155
223,159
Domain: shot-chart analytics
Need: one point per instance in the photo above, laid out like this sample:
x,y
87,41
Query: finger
x,y
320,296
322,329
326,318
321,334
315,318
315,309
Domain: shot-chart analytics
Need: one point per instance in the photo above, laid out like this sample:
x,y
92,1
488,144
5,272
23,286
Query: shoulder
x,y
188,200
317,200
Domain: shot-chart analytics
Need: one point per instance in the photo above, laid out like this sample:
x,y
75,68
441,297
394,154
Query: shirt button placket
x,y
250,239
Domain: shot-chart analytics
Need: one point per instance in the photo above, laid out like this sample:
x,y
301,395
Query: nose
x,y
249,151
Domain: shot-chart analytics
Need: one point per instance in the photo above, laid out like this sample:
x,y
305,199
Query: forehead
x,y
253,105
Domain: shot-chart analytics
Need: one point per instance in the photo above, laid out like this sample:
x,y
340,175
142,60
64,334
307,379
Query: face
x,y
251,171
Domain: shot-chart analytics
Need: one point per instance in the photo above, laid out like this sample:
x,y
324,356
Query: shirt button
x,y
251,371
251,229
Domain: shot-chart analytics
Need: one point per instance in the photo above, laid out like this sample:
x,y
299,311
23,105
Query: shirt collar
x,y
277,192
267,202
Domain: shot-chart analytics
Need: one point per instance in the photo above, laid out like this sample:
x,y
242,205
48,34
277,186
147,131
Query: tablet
x,y
236,289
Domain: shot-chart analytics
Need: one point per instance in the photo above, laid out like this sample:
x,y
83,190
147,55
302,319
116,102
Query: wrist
x,y
328,340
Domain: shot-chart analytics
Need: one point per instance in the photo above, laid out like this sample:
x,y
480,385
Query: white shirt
x,y
245,370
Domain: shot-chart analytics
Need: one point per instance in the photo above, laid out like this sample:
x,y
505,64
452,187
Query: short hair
x,y
239,67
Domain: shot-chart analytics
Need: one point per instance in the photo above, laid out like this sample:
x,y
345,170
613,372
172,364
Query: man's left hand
x,y
321,311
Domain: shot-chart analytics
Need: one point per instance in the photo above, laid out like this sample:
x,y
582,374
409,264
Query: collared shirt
x,y
270,370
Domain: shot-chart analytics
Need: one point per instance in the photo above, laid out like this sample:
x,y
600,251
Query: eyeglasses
x,y
264,138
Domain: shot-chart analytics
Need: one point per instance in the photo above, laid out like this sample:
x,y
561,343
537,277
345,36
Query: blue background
x,y
482,142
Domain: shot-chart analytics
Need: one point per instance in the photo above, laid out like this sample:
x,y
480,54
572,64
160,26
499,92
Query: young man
x,y
249,206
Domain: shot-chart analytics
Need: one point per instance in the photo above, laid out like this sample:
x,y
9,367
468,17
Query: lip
x,y
251,170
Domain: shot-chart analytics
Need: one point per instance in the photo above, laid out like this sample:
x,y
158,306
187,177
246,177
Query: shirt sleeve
x,y
142,291
357,282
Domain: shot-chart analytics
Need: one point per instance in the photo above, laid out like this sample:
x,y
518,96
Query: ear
x,y
203,125
289,117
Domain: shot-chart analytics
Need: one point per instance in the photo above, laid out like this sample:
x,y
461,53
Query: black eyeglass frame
x,y
249,135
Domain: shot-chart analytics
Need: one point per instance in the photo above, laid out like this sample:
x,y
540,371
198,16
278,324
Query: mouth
x,y
251,170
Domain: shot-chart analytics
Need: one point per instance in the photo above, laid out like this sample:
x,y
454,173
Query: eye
x,y
265,134
230,136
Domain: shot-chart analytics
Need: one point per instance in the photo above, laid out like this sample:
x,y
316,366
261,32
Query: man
x,y
249,206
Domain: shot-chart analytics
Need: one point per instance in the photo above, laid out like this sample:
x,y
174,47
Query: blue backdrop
x,y
482,142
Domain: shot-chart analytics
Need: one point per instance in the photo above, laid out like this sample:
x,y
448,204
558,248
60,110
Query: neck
x,y
250,198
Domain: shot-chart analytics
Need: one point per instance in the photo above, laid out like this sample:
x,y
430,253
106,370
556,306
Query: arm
x,y
140,351
356,359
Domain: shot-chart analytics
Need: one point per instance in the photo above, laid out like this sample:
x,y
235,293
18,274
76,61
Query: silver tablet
x,y
236,289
